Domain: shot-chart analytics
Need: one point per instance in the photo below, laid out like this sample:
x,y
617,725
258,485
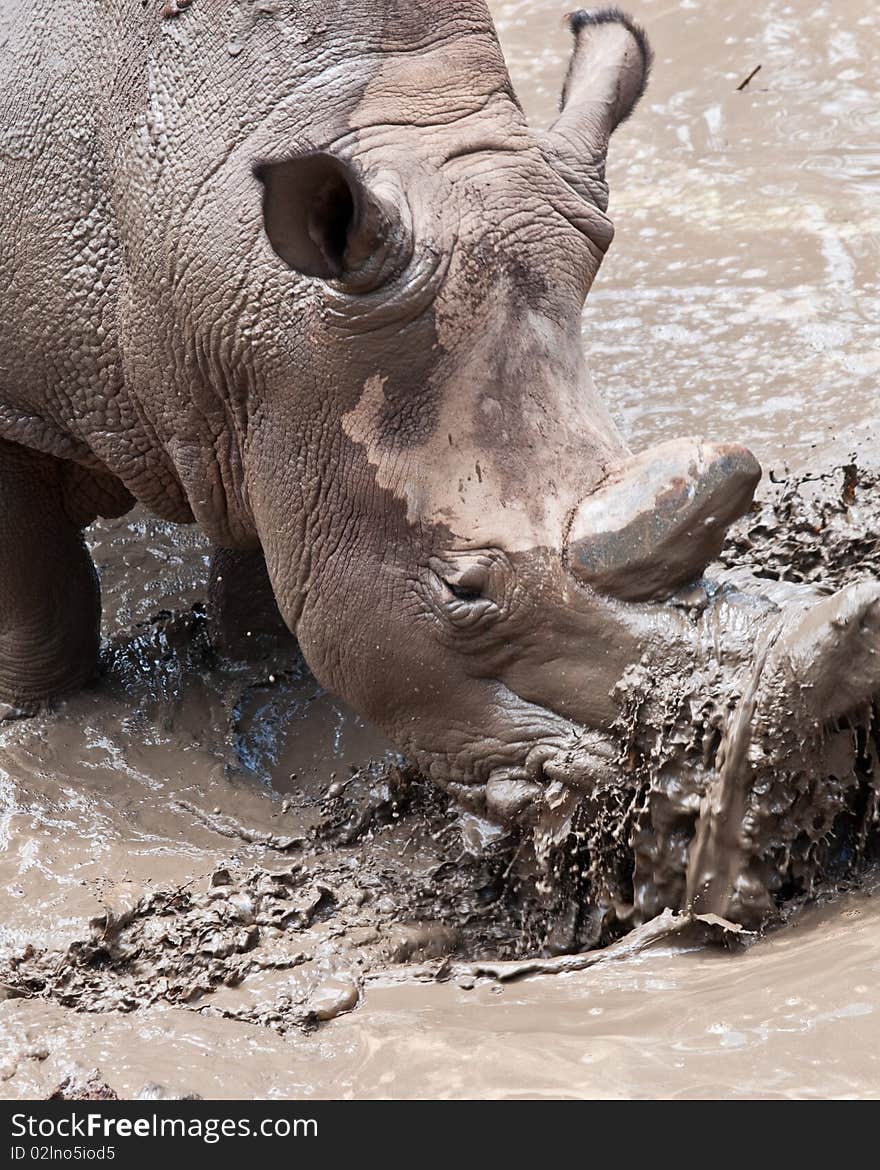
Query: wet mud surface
x,y
204,863
795,1015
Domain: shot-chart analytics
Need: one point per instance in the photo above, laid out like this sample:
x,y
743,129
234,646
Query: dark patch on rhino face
x,y
490,296
409,415
529,283
412,395
494,293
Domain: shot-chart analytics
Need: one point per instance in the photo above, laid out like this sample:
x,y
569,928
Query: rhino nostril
x,y
509,796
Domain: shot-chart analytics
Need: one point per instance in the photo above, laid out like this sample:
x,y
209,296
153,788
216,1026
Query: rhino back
x,y
63,65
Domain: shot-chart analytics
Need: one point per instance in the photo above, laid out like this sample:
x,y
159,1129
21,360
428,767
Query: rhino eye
x,y
463,592
466,584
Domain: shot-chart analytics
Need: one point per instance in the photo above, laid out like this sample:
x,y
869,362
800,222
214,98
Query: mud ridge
x,y
387,878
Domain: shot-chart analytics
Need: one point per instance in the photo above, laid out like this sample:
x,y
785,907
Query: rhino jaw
x,y
658,519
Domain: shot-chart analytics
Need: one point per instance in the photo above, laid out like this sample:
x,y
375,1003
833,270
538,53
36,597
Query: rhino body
x,y
302,274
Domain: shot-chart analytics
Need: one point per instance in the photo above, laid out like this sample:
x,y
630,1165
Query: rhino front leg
x,y
243,614
50,602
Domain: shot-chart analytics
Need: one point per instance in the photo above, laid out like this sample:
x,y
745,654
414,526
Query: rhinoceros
x,y
300,272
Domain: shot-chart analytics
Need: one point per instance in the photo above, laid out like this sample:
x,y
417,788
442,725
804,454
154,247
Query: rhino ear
x,y
322,219
606,78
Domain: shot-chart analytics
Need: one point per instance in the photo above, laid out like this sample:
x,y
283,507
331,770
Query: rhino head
x,y
454,528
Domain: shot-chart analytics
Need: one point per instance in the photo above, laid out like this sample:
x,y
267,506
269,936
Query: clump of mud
x,y
87,1087
818,527
805,823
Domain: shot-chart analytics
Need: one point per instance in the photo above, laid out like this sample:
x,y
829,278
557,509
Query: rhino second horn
x,y
657,520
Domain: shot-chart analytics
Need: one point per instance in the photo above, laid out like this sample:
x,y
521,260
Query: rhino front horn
x,y
658,519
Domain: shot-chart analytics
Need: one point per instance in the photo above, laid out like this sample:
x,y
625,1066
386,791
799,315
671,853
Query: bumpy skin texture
x,y
300,272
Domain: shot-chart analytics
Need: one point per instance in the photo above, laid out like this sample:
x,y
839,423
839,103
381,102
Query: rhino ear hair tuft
x,y
322,219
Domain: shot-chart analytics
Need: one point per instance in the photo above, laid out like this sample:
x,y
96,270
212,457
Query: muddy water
x,y
741,296
740,300
796,1016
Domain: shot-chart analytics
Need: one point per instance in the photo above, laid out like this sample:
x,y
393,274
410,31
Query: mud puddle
x,y
213,852
796,1015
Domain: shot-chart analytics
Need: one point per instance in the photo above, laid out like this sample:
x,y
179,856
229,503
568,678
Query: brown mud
x,y
202,862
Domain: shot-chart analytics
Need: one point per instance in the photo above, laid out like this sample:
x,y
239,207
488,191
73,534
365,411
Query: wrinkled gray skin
x,y
300,272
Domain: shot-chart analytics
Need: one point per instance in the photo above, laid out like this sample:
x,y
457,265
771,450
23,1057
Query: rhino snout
x,y
658,519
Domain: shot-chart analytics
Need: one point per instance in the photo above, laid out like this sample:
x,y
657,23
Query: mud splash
x,y
676,1021
745,800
